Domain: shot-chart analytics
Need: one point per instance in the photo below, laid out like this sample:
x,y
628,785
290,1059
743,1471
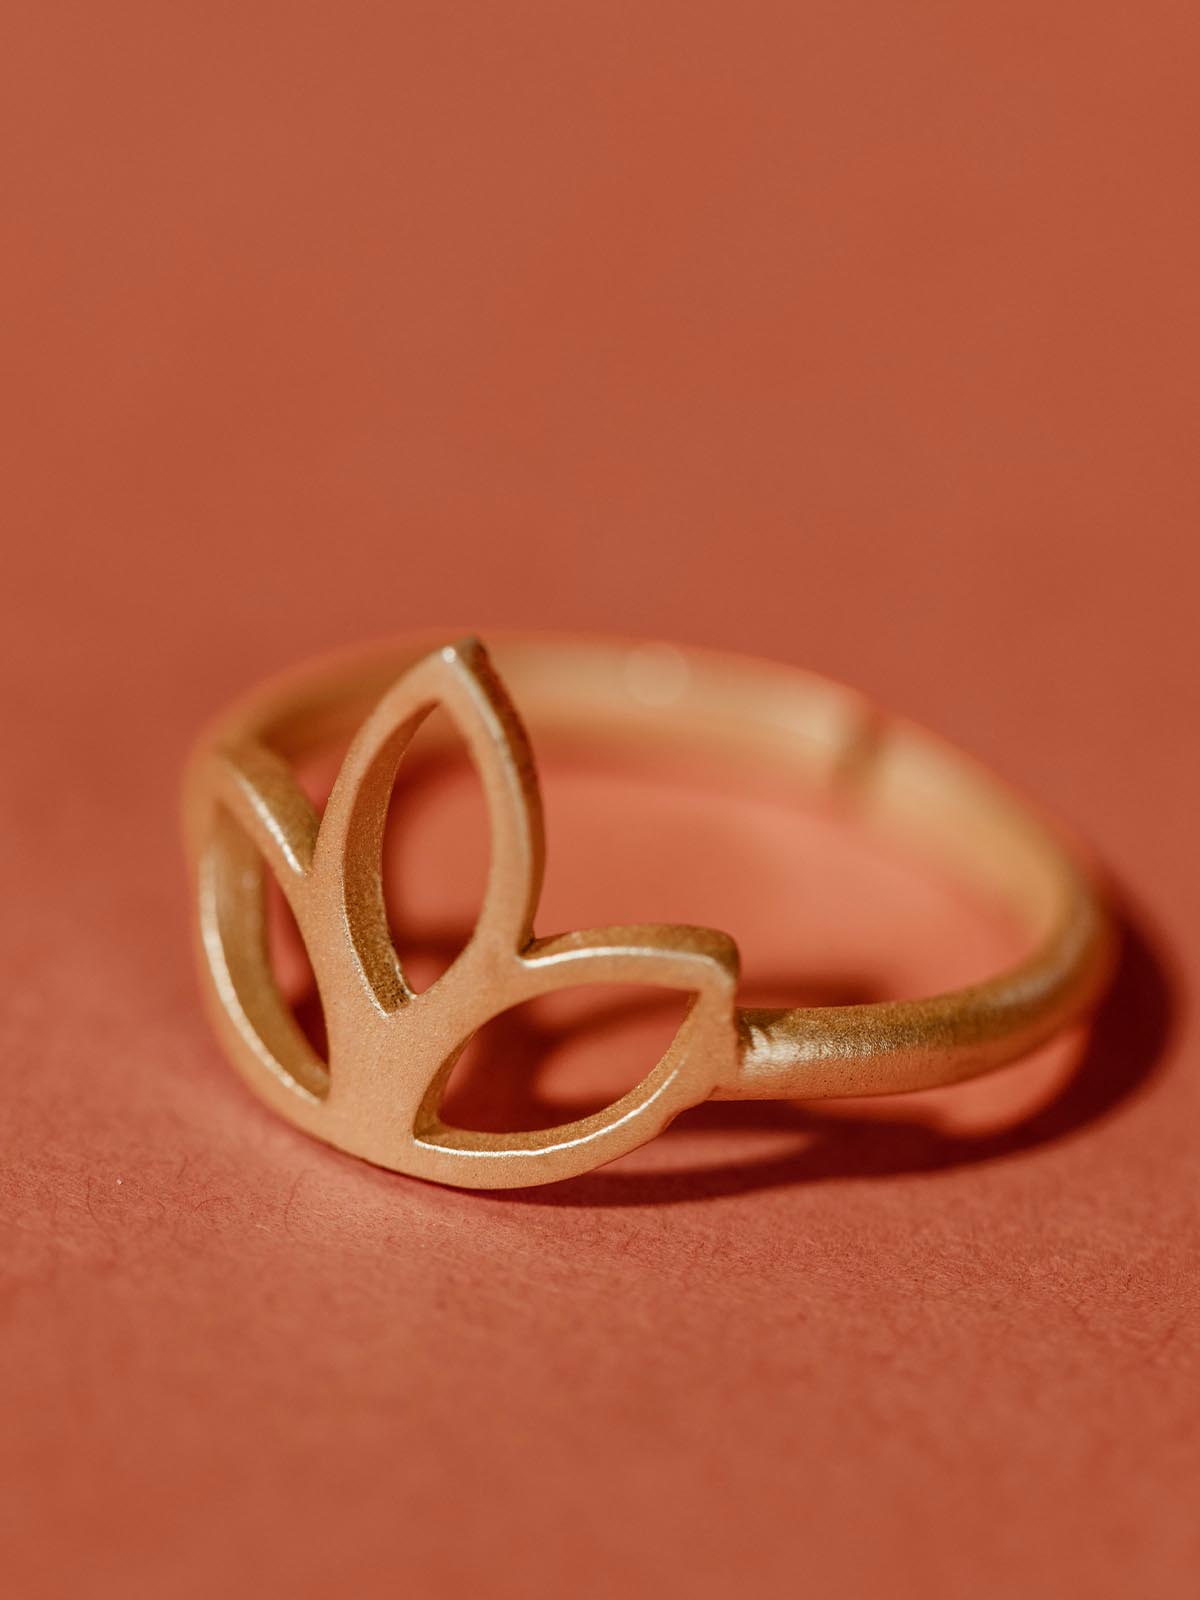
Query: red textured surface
x,y
856,334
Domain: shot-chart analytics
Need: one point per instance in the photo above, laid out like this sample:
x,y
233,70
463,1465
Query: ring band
x,y
391,1050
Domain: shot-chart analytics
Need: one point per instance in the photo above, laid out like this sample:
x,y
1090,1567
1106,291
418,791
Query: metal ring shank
x,y
827,741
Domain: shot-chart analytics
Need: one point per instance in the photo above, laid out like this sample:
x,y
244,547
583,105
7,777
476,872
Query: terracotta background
x,y
859,334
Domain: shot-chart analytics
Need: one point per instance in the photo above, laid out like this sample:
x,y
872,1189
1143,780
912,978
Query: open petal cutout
x,y
293,970
563,1056
699,961
236,932
349,846
436,852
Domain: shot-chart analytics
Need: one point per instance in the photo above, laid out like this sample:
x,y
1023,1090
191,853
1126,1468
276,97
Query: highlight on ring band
x,y
391,1049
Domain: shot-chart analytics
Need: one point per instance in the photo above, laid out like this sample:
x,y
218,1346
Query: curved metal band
x,y
828,742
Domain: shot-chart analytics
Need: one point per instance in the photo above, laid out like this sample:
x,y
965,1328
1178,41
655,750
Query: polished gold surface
x,y
391,1050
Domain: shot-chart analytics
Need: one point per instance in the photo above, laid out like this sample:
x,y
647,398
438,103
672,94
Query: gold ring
x,y
391,1050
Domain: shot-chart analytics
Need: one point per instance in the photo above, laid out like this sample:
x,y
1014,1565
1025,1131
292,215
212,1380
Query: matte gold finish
x,y
391,1050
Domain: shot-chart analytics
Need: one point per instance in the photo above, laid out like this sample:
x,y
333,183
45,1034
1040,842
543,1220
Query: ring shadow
x,y
1125,1046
